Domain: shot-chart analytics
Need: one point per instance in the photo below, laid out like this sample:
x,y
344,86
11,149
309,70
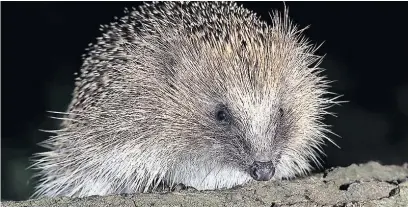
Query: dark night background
x,y
365,43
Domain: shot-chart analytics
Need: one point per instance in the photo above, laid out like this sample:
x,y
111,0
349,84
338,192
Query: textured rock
x,y
368,184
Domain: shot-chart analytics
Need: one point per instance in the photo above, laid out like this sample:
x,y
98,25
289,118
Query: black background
x,y
365,43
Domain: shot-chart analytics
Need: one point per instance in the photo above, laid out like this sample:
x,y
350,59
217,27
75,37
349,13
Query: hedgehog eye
x,y
222,115
280,112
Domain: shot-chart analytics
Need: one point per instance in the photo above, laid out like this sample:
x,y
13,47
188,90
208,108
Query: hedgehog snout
x,y
262,171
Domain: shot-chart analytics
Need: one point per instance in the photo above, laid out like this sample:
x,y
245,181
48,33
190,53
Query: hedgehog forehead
x,y
255,106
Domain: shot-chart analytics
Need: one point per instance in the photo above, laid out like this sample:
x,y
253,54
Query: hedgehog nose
x,y
262,171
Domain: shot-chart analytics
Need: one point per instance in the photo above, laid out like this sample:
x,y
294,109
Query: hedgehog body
x,y
204,94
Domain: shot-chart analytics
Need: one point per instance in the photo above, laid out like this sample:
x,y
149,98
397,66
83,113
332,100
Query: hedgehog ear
x,y
171,65
168,63
169,70
243,44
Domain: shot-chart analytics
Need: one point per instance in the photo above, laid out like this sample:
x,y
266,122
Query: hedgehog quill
x,y
203,94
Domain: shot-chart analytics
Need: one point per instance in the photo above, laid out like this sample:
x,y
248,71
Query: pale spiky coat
x,y
143,108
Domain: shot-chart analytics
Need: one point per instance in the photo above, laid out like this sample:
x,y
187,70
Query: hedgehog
x,y
201,94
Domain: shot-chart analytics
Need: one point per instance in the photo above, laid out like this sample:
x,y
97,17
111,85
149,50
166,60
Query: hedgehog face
x,y
256,109
257,136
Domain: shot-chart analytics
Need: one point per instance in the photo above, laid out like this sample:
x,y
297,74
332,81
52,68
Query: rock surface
x,y
369,184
